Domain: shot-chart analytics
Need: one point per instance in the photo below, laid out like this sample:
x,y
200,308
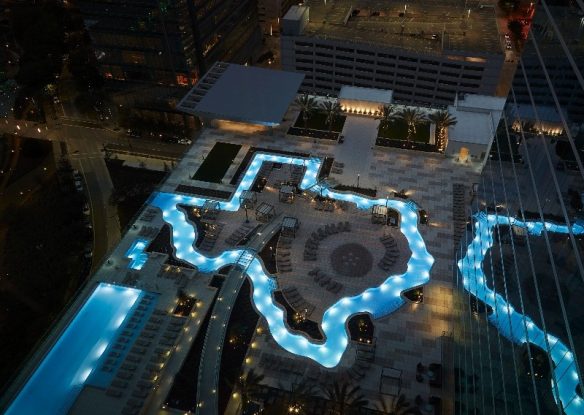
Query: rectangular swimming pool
x,y
54,385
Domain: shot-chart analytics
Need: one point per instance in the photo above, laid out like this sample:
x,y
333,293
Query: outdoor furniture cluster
x,y
265,212
148,231
285,365
337,167
365,355
286,193
239,234
379,214
297,302
324,280
139,351
391,253
149,214
210,210
248,199
283,263
296,174
312,243
212,231
289,226
325,204
179,275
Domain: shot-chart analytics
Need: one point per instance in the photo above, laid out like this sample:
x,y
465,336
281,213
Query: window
x,y
370,62
304,44
345,50
365,52
324,55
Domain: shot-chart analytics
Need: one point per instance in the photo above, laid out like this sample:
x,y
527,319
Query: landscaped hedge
x,y
409,145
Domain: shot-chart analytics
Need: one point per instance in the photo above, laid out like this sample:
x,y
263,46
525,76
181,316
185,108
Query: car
x,y
508,46
76,175
185,141
507,36
133,133
56,99
78,185
86,209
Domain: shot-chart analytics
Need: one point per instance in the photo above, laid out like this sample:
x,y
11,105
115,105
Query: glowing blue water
x,y
56,382
513,325
379,301
137,255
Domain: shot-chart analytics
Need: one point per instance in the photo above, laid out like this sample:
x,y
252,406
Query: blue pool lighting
x,y
137,255
57,381
378,301
515,326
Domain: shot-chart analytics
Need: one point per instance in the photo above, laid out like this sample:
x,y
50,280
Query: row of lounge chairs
x,y
296,174
326,281
239,234
459,211
282,364
149,215
142,348
296,301
325,205
312,243
391,253
212,231
283,263
149,231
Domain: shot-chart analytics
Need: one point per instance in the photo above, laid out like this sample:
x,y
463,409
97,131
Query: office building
x,y
425,53
171,42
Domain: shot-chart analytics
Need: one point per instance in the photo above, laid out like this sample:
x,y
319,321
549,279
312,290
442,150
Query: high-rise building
x,y
425,53
521,333
169,42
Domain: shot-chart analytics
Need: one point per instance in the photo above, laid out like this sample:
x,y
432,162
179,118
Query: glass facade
x,y
520,336
169,42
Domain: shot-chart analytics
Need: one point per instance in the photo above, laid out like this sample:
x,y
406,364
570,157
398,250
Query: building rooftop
x,y
245,94
477,118
430,26
381,96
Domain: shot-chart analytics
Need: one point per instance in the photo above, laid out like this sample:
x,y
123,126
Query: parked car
x,y
86,209
76,175
78,186
185,141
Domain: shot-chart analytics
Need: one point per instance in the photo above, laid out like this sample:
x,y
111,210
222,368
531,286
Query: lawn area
x,y
398,130
217,162
317,121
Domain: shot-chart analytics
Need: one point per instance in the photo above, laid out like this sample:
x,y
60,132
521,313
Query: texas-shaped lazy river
x,y
378,301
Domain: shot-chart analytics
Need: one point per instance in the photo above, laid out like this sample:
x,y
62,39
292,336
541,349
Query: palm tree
x,y
332,110
398,406
386,115
248,386
443,120
307,106
299,396
345,397
412,117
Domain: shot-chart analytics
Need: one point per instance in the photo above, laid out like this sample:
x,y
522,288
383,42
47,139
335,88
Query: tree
x,y
386,115
398,406
443,120
248,386
295,402
345,397
412,117
332,110
307,106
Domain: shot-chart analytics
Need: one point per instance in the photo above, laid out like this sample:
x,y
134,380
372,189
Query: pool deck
x,y
423,175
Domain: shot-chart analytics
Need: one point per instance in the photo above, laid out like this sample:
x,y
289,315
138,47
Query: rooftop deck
x,y
430,27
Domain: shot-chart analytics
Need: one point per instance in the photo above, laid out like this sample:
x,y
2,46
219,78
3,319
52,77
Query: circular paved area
x,y
351,260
